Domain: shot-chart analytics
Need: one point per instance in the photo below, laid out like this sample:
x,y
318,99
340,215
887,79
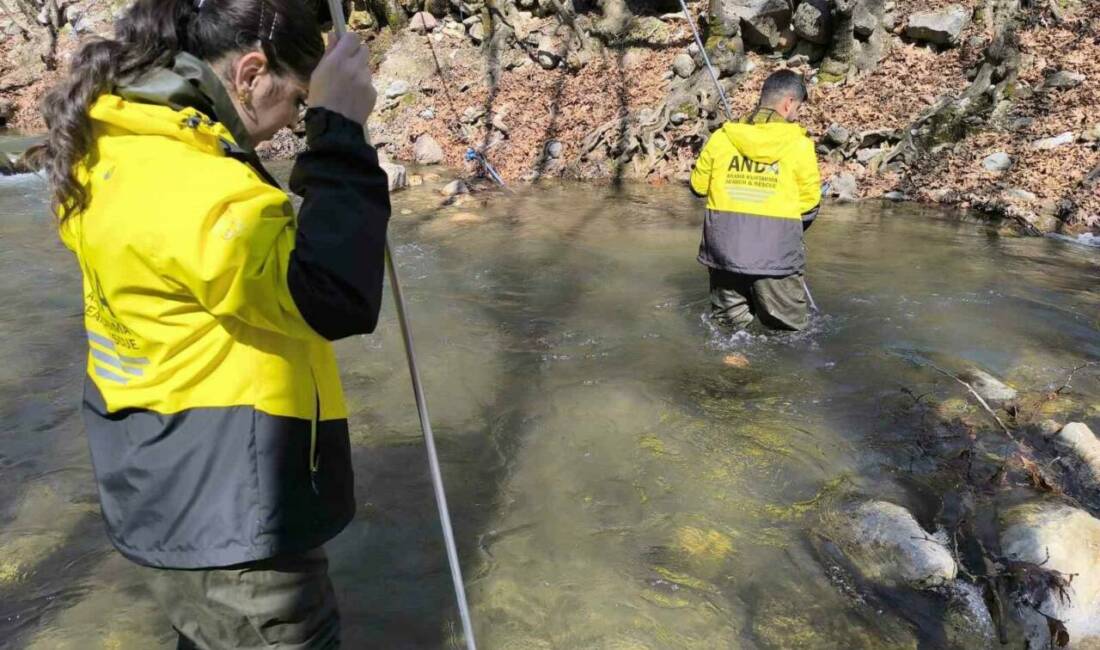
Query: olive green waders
x,y
285,602
777,302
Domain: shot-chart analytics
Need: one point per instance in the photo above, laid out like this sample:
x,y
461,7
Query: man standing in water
x,y
762,186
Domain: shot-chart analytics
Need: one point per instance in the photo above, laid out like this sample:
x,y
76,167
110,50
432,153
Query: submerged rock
x,y
967,624
989,387
1056,537
887,546
454,188
943,27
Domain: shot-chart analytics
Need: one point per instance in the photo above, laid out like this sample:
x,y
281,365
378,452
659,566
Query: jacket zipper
x,y
314,461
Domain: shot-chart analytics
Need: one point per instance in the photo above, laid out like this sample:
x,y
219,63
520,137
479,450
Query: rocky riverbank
x,y
982,104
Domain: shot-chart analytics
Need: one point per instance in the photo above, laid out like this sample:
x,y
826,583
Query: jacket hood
x,y
764,143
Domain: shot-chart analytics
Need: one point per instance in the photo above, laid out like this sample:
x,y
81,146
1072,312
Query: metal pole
x,y
706,61
340,26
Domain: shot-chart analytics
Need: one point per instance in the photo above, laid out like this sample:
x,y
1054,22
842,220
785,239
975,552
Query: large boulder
x,y
1055,537
943,27
887,546
427,151
812,21
762,23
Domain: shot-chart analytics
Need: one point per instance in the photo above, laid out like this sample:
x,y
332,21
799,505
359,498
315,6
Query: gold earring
x,y
245,97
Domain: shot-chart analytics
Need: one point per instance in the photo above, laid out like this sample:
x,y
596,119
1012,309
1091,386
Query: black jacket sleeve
x,y
338,263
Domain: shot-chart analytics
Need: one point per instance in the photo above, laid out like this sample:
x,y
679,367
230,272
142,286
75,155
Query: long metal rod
x,y
706,60
340,26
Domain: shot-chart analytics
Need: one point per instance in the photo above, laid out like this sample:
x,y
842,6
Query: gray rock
x,y
473,114
423,22
943,27
477,32
997,162
812,21
837,135
683,65
427,114
1054,142
798,61
844,187
397,88
1065,79
762,22
887,546
678,118
1060,538
1020,194
454,188
1085,446
554,149
454,29
895,196
547,54
427,151
989,387
967,624
865,156
864,23
395,174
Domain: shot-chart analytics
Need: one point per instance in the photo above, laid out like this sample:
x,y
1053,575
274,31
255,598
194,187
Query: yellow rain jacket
x,y
213,405
763,188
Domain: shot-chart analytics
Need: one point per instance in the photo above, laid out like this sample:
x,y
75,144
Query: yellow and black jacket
x,y
763,189
213,403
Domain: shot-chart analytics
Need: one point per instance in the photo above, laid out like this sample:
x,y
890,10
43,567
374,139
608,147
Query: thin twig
x,y
981,400
1073,372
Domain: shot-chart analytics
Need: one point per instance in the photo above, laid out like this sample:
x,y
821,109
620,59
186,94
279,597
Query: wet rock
x,y
1085,446
967,624
416,180
1054,142
989,387
837,136
812,22
397,88
1049,427
554,149
423,22
887,546
683,65
454,188
1064,79
997,162
943,27
844,187
1057,537
427,151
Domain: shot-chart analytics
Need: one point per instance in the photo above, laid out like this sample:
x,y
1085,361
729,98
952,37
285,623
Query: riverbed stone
x,y
454,188
844,187
427,151
887,546
1054,142
554,149
395,174
1057,537
989,387
997,162
1064,79
683,65
942,27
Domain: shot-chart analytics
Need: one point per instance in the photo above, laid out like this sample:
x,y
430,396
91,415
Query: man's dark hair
x,y
780,85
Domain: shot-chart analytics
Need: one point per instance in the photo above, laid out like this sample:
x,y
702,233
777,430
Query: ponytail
x,y
150,35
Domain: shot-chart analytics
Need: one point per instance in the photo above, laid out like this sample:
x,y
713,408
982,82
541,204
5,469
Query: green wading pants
x,y
283,602
737,300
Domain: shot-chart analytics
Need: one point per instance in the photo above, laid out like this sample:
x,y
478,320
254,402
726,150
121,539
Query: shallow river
x,y
614,484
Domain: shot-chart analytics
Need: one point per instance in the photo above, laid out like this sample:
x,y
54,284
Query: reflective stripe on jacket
x,y
762,186
213,405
